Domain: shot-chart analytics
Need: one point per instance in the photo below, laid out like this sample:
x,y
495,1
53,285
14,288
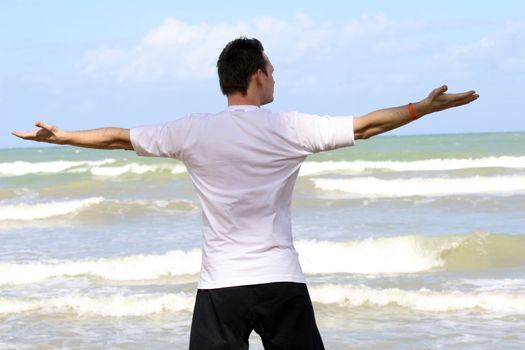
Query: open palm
x,y
438,100
47,133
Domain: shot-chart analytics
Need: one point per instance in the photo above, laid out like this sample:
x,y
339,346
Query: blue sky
x,y
88,64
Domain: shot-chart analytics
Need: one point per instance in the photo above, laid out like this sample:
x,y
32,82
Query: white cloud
x,y
173,50
513,26
176,50
104,56
370,26
367,46
503,52
483,46
173,32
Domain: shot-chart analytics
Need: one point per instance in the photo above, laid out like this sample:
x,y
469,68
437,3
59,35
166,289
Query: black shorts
x,y
281,313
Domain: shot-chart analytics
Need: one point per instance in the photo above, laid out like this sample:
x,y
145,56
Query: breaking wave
x,y
371,187
97,168
20,168
309,168
108,306
313,168
50,210
28,212
420,300
388,255
128,268
136,168
338,295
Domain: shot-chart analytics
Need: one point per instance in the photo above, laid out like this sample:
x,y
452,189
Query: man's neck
x,y
239,99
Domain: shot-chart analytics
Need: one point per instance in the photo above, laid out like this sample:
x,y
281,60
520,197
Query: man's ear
x,y
258,76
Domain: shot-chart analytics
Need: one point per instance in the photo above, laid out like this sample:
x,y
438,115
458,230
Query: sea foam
x,y
371,187
19,168
330,294
25,213
136,168
97,168
116,305
132,268
403,254
421,300
373,256
310,168
28,212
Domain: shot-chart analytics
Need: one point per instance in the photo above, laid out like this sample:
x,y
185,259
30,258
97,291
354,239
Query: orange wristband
x,y
411,111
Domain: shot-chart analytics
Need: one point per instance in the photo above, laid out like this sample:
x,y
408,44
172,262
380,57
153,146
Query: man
x,y
243,163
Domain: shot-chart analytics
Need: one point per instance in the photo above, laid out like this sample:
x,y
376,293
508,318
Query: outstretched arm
x,y
383,120
104,138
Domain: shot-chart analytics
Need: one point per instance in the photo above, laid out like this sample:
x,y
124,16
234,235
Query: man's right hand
x,y
47,133
103,138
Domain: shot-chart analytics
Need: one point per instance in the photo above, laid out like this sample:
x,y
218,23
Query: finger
x,y
465,100
441,89
464,96
45,126
471,98
461,95
438,91
27,135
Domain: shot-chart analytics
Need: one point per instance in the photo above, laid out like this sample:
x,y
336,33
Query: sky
x,y
89,64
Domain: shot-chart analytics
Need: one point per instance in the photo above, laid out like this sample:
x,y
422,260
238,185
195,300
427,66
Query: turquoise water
x,y
406,242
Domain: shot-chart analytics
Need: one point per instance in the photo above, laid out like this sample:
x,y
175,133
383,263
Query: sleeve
x,y
163,140
323,133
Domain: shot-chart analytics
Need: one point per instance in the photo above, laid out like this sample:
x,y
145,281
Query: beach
x,y
407,242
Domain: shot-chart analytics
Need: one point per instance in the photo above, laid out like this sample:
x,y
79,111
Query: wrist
x,y
63,137
422,108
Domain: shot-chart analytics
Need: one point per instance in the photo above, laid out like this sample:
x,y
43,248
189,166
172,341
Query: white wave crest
x,y
128,268
421,300
136,168
97,168
108,306
373,256
376,188
402,254
24,213
27,212
19,168
515,285
346,296
313,168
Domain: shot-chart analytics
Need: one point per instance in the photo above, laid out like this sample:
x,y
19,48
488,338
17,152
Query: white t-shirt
x,y
243,163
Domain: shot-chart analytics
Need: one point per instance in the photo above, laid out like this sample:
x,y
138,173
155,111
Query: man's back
x,y
243,163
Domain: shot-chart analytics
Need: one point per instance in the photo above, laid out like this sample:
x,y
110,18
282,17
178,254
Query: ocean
x,y
407,242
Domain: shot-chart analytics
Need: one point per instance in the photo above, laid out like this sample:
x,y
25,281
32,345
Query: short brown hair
x,y
238,61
